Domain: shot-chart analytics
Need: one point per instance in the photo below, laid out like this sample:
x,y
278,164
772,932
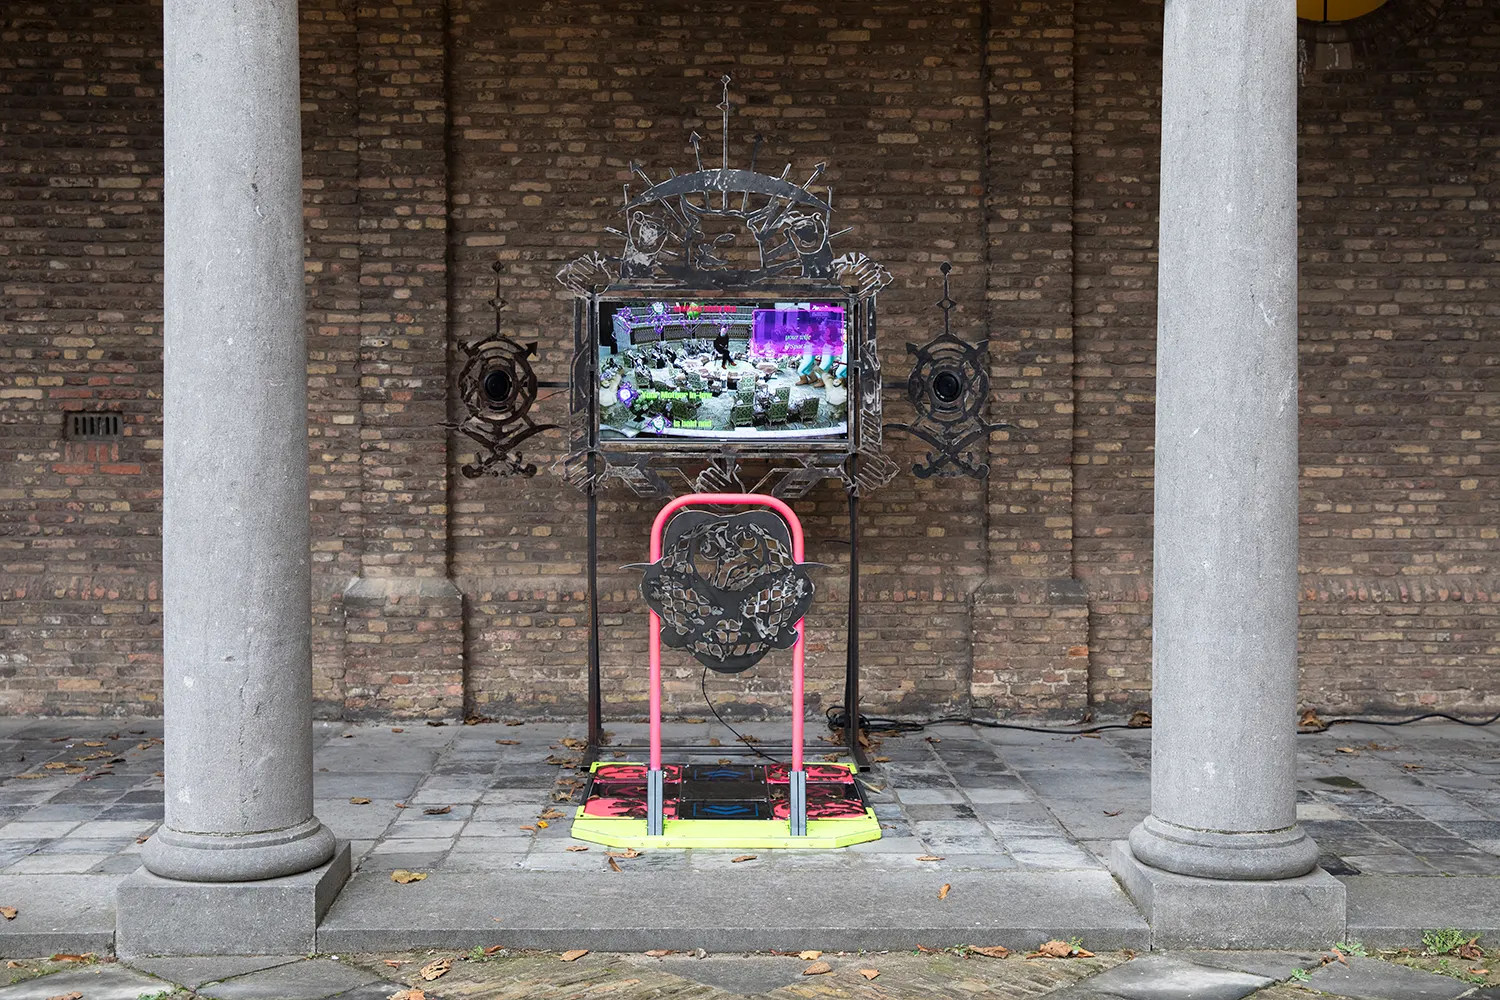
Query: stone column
x,y
1224,662
238,676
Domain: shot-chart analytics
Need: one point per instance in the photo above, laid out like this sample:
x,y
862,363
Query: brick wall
x,y
1018,140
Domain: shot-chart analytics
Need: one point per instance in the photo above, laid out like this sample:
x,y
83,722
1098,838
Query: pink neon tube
x,y
658,529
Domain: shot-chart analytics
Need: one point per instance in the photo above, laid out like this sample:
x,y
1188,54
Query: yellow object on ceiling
x,y
1336,10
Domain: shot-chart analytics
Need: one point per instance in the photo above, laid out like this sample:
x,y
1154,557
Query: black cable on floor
x,y
1415,718
709,702
837,719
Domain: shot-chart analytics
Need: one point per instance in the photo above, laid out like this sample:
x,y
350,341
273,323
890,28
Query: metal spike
x,y
817,172
695,139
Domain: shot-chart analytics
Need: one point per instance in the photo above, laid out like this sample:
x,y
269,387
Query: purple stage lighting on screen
x,y
795,332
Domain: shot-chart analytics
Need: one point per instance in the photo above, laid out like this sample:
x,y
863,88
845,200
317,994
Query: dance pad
x,y
728,806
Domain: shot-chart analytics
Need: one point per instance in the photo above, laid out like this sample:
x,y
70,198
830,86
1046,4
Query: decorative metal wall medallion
x,y
726,587
948,388
498,388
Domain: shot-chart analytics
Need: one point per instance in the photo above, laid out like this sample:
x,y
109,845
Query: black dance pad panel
x,y
724,809
722,791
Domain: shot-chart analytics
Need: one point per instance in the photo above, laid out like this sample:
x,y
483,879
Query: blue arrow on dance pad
x,y
723,809
721,773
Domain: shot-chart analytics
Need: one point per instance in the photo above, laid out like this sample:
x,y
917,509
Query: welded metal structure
x,y
731,237
949,388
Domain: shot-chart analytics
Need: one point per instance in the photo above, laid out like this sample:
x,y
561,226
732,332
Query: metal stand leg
x,y
653,803
799,803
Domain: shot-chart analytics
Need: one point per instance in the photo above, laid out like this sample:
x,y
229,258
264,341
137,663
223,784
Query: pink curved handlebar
x,y
658,528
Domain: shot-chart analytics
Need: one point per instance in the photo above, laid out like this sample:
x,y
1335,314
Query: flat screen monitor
x,y
772,371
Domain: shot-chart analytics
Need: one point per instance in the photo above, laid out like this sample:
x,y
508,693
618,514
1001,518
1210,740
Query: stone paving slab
x,y
1167,977
1393,912
730,911
194,972
314,979
102,982
1369,979
58,913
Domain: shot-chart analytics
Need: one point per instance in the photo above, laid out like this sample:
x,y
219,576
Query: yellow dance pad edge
x,y
726,834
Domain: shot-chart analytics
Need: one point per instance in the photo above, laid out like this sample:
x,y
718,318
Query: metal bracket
x,y
654,803
798,801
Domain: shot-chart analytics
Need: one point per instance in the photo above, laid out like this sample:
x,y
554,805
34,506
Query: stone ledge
x,y
1187,912
158,916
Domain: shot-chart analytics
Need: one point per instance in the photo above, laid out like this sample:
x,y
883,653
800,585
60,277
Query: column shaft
x,y
1224,666
238,679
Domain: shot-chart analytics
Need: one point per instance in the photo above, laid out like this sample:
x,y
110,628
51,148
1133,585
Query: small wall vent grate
x,y
94,427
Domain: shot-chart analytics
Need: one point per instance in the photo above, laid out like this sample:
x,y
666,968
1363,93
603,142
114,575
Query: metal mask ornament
x,y
726,587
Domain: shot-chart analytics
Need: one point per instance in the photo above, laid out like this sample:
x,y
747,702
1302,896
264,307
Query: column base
x,y
277,916
1276,854
1187,912
204,857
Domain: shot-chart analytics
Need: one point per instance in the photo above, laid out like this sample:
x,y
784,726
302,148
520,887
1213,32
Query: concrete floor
x,y
1019,821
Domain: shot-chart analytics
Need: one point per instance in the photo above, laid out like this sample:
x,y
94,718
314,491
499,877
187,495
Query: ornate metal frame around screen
x,y
667,249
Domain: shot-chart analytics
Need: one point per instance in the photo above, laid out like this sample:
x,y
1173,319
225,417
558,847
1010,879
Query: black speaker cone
x,y
947,387
498,385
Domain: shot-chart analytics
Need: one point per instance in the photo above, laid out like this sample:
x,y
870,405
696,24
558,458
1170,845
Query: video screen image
x,y
724,370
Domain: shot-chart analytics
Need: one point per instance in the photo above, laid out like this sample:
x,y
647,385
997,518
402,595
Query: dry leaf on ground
x,y
628,853
808,956
65,957
1059,949
401,805
8,912
615,865
658,952
509,743
574,955
437,969
55,765
398,730
411,994
880,760
817,969
12,964
1345,750
437,811
870,973
943,892
394,963
75,995
742,857
1113,812
550,813
574,743
528,826
402,876
994,951
576,848
1468,950
358,801
930,857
